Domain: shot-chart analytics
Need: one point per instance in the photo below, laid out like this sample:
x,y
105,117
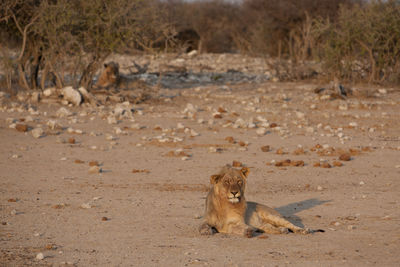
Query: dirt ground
x,y
144,202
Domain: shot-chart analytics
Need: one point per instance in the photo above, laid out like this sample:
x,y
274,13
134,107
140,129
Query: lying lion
x,y
227,210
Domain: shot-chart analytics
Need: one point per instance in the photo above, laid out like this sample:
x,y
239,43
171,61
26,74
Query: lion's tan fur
x,y
230,215
110,76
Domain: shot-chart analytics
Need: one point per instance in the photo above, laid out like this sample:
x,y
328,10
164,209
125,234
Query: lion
x,y
119,87
110,76
227,210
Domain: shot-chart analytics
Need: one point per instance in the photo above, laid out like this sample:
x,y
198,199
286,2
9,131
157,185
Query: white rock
x,y
194,133
319,188
48,92
86,206
40,256
261,131
353,124
63,112
37,132
112,120
71,95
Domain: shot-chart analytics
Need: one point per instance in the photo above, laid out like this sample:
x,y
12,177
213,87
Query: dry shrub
x,y
363,44
59,37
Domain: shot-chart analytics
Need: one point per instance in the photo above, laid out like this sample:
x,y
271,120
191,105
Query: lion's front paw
x,y
249,232
206,229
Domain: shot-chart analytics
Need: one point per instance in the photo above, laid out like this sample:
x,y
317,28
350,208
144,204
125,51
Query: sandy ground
x,y
144,205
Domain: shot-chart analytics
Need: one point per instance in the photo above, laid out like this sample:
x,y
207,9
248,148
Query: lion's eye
x,y
240,182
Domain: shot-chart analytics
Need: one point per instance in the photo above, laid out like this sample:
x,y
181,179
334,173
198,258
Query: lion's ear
x,y
105,65
245,171
215,178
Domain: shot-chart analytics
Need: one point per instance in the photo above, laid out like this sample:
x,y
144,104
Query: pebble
x,y
362,183
261,131
40,256
86,206
37,132
319,188
95,169
63,112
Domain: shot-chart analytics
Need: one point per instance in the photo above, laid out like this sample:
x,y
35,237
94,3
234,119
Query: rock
x,y
37,132
95,169
72,95
40,256
87,97
337,164
48,92
261,131
86,206
21,127
265,148
345,157
192,53
63,112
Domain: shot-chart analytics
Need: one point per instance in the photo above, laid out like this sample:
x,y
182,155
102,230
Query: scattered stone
x,y
140,171
94,163
326,165
72,95
86,206
362,183
265,148
337,164
104,219
288,162
37,132
63,112
71,140
212,149
95,169
345,157
261,131
78,161
280,151
230,139
40,256
319,188
221,110
299,151
21,127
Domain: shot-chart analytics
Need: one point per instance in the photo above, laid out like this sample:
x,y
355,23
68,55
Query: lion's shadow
x,y
289,211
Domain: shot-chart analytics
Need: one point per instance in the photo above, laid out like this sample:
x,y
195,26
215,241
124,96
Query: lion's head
x,y
109,76
230,183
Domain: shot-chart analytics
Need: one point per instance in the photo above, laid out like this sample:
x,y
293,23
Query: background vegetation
x,y
354,39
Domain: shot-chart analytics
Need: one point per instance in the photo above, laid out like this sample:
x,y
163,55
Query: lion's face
x,y
230,184
110,75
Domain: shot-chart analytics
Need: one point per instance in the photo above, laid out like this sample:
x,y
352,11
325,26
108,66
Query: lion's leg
x,y
238,229
271,229
278,221
206,229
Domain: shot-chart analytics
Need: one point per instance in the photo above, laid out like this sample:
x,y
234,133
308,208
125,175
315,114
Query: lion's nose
x,y
234,193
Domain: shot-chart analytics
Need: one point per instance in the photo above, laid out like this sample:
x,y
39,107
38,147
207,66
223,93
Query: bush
x,y
59,37
364,42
